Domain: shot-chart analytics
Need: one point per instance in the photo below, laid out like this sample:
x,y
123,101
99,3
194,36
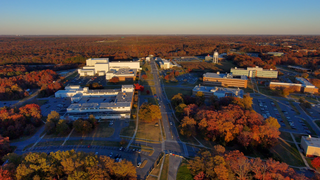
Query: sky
x,y
84,17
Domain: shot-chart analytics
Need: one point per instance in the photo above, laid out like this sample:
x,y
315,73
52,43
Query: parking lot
x,y
55,104
267,108
7,103
82,81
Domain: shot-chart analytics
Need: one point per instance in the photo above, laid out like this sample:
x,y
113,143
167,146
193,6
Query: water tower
x,y
215,57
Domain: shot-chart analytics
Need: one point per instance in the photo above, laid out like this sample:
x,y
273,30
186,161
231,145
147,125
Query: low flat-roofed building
x,y
275,53
310,145
123,74
102,66
218,91
303,86
166,64
255,72
226,80
112,103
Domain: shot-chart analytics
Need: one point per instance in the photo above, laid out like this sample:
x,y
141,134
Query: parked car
x,y
139,164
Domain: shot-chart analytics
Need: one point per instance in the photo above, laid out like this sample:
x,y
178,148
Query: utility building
x,y
227,80
310,145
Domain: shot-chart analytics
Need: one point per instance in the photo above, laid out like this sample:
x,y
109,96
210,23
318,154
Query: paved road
x,y
174,165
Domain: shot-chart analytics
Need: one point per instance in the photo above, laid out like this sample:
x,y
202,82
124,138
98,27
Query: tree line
x,y
227,165
15,87
65,165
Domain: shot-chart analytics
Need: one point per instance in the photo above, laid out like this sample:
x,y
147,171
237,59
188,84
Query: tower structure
x,y
215,57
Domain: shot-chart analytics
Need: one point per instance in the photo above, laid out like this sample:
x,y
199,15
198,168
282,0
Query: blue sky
x,y
57,17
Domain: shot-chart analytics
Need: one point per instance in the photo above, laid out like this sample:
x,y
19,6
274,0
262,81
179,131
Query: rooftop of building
x,y
236,91
311,141
225,76
98,59
304,82
123,71
283,83
298,67
257,68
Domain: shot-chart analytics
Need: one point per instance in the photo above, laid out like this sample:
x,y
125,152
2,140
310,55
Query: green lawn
x,y
102,130
288,153
152,90
147,82
286,136
129,130
165,169
148,131
184,172
267,91
171,91
225,65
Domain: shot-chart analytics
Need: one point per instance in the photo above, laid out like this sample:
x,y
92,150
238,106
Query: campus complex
x,y
103,104
102,67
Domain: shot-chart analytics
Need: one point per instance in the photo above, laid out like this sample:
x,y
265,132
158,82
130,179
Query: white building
x,y
218,91
165,64
310,145
215,57
102,103
102,66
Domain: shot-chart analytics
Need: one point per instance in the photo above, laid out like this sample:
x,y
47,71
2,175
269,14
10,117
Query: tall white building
x,y
102,66
215,57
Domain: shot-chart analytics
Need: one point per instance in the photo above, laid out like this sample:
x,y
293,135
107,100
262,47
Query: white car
x,y
139,164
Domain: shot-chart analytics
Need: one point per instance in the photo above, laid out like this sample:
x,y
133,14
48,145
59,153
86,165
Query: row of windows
x,y
99,108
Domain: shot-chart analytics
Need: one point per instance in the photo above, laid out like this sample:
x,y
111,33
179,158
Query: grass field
x,y
225,65
288,153
286,136
148,131
152,90
129,130
165,169
102,130
184,172
170,91
147,82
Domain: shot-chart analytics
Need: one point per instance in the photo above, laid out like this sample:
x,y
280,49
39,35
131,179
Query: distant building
x,y
165,64
254,72
303,86
227,80
275,53
310,145
218,91
102,66
102,103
